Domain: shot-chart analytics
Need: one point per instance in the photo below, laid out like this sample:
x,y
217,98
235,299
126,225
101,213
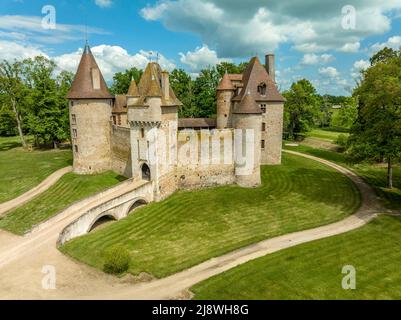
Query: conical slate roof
x,y
225,83
133,89
247,106
88,82
254,75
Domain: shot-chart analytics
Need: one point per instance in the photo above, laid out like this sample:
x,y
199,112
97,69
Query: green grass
x,y
314,270
326,135
21,170
374,175
69,189
193,226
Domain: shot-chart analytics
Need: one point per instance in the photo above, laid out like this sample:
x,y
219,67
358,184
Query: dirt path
x,y
29,195
22,259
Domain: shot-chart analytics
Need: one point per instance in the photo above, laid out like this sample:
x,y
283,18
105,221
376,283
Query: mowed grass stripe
x,y
69,189
192,226
313,270
22,170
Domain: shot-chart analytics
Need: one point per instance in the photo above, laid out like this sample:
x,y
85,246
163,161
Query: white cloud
x,y
358,67
201,58
12,50
104,3
111,59
330,72
392,42
351,47
313,59
30,27
243,28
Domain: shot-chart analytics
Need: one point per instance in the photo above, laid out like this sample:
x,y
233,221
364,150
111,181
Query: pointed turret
x,y
88,82
225,83
248,106
133,89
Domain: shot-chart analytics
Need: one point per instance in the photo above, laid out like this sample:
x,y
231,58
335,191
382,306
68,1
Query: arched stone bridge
x,y
116,209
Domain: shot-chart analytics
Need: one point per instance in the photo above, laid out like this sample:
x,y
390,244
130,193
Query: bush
x,y
117,260
342,140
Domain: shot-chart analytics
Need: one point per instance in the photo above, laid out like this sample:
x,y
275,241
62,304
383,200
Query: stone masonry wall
x,y
121,151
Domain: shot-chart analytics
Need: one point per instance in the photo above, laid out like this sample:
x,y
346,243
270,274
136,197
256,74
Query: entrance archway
x,y
145,172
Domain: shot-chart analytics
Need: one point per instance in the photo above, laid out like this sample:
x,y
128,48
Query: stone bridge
x,y
115,209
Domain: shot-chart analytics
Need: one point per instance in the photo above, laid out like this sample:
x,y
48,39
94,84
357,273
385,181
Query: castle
x,y
140,136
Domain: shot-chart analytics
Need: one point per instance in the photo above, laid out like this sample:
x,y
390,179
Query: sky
x,y
327,42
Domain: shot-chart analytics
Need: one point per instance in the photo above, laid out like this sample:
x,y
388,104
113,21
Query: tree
x,y
122,80
205,92
301,108
346,116
377,131
47,117
182,85
383,55
12,86
229,67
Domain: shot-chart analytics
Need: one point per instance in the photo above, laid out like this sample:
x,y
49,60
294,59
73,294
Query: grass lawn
x,y
67,190
374,175
22,170
326,135
192,226
314,270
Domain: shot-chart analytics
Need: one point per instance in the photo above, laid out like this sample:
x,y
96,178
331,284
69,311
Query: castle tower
x,y
153,121
133,93
225,92
90,104
248,118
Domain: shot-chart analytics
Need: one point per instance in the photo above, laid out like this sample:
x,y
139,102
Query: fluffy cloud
x,y
393,42
359,66
104,3
13,50
351,47
242,28
330,72
314,59
111,59
201,58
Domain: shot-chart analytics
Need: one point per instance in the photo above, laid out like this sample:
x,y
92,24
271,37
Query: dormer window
x,y
262,89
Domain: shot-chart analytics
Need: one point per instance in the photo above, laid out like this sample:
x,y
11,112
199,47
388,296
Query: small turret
x,y
133,93
225,92
248,119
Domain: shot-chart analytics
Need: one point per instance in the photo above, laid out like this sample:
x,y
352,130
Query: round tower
x,y
225,92
90,104
248,125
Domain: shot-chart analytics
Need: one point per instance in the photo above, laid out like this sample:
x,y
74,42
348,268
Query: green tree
x,y
13,88
47,117
122,80
182,85
301,108
346,116
205,92
377,131
229,67
8,124
384,54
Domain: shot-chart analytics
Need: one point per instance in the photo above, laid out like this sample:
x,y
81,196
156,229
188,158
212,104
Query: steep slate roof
x,y
247,106
120,104
82,86
225,83
133,89
254,75
150,85
197,123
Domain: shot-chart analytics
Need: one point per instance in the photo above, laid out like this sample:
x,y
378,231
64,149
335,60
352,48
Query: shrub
x,y
342,140
117,260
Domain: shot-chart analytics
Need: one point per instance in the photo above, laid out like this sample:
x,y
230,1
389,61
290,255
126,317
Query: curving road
x,y
22,259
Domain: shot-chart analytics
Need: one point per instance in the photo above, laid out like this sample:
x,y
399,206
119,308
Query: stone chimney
x,y
166,85
270,66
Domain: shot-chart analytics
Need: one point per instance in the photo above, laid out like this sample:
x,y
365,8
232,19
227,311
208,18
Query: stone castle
x,y
140,136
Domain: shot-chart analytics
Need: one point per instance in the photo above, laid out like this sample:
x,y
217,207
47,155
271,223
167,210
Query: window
x,y
263,126
71,103
263,107
142,133
262,89
119,120
76,148
74,133
263,144
73,119
114,120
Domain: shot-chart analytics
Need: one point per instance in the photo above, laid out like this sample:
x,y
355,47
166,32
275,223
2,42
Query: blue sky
x,y
313,39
